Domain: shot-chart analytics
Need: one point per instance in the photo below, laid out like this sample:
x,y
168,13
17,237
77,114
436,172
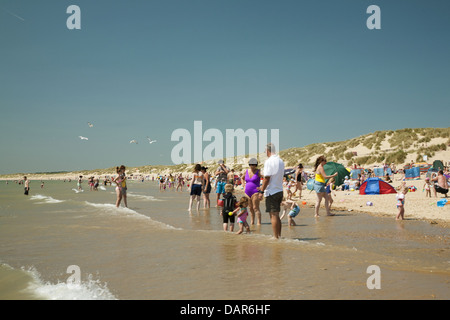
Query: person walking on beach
x,y
26,182
272,188
400,197
300,179
329,188
221,173
121,186
196,187
427,187
319,185
251,183
206,188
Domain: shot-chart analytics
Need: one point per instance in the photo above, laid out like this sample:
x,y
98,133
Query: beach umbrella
x,y
333,167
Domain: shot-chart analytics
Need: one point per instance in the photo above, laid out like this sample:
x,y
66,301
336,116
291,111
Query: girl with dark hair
x,y
319,185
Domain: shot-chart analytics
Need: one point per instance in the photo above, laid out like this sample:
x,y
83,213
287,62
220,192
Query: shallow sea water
x,y
156,249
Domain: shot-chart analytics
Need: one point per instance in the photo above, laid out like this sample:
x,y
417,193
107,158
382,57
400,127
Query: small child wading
x,y
229,205
242,214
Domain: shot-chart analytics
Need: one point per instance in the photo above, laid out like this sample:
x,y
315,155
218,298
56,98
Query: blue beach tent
x,y
376,186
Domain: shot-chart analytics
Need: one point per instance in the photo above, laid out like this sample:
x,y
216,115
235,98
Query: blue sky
x,y
311,69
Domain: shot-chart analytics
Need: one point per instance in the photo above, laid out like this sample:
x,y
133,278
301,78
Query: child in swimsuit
x,y
293,208
427,187
401,202
242,214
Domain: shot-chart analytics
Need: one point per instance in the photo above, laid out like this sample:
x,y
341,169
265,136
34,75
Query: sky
x,y
311,69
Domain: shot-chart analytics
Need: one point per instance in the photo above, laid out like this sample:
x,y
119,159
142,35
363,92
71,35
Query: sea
x,y
58,243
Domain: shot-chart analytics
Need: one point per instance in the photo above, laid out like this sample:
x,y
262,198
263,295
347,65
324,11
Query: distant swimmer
x,y
90,125
83,138
27,185
79,183
134,141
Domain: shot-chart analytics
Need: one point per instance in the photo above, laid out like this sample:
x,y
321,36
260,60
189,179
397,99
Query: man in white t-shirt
x,y
272,187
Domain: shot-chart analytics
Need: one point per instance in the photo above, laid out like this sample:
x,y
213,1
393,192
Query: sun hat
x,y
253,161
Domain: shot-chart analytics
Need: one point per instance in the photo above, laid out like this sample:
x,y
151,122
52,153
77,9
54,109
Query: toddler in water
x,y
402,190
242,214
293,208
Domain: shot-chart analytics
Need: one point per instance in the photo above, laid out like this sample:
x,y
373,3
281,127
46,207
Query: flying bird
x,y
133,141
90,125
150,140
83,138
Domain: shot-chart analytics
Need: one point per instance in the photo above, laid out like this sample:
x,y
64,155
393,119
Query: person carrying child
x,y
242,214
229,205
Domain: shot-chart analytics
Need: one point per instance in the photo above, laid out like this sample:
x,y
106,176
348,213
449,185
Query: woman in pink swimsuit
x,y
251,180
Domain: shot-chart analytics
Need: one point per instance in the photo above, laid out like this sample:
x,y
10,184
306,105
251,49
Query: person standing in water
x,y
121,186
27,185
272,188
319,185
252,180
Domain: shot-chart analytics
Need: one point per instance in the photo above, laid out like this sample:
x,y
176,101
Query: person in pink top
x,y
242,214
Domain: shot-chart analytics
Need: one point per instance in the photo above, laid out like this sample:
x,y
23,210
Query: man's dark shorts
x,y
273,202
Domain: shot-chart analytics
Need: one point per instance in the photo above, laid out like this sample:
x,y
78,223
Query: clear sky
x,y
311,69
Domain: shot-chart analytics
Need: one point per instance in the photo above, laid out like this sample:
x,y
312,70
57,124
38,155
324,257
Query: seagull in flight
x,y
90,125
83,138
133,141
150,140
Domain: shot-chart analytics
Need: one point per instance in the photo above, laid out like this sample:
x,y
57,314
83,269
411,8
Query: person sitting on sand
x,y
440,184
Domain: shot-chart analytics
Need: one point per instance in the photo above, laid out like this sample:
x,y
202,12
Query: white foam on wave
x,y
78,191
112,209
45,199
92,289
142,197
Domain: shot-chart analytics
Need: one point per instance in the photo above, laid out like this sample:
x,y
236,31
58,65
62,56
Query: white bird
x,y
133,141
90,125
83,138
150,140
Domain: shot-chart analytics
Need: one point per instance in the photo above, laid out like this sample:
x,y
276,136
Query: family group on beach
x,y
257,187
272,185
